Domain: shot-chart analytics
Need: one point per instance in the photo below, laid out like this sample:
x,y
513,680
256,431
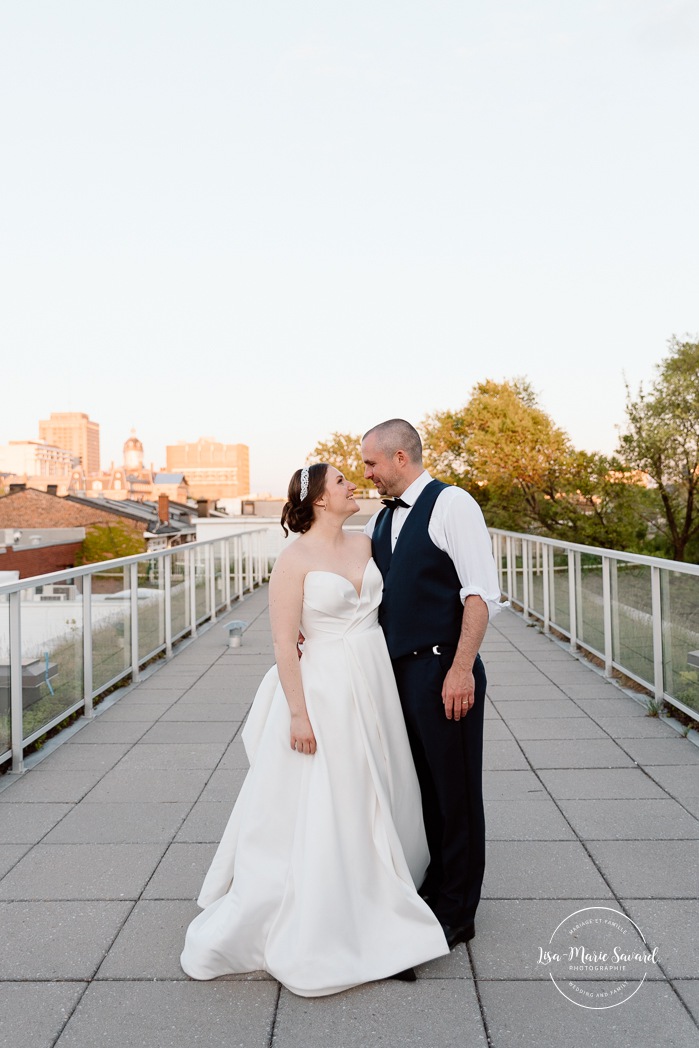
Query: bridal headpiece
x,y
304,482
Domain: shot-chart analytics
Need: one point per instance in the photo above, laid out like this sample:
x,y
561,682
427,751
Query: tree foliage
x,y
526,474
662,439
343,451
109,542
504,449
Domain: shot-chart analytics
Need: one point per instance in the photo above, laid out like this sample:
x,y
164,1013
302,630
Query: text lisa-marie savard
x,y
584,956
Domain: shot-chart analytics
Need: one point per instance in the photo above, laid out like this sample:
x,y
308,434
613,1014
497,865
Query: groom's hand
x,y
458,692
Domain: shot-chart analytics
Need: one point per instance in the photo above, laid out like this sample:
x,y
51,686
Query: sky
x,y
264,221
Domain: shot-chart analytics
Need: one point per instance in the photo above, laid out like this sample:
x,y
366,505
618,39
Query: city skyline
x,y
209,469
271,222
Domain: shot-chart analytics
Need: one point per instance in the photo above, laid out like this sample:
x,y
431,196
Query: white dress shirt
x,y
457,528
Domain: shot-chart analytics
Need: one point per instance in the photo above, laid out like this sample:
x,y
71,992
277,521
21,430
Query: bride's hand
x,y
302,738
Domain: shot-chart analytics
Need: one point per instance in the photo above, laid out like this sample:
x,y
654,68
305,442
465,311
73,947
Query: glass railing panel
x,y
590,606
559,588
632,618
200,582
179,592
111,625
680,608
151,607
52,652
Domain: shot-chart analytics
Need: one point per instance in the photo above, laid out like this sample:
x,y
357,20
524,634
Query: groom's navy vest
x,y
421,605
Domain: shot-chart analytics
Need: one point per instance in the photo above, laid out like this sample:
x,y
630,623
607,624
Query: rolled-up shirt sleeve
x,y
458,528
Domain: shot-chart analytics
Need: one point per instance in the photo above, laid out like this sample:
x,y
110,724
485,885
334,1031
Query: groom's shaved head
x,y
397,435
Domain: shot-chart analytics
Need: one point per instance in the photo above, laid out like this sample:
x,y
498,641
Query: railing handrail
x,y
117,562
601,551
521,558
215,572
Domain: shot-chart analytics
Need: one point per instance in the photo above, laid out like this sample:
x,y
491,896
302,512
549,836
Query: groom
x,y
440,586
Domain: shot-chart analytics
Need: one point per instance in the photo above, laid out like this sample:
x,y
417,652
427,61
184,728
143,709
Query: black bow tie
x,y
393,503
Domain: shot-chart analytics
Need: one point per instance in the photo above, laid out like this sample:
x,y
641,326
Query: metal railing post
x,y
16,705
656,606
526,581
248,562
88,686
226,570
239,567
572,598
579,618
495,546
607,614
167,597
210,561
508,554
614,605
133,579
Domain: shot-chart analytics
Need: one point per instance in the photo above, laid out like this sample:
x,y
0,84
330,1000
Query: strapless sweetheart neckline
x,y
323,571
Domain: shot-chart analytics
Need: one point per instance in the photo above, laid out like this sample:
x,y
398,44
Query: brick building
x,y
74,430
213,471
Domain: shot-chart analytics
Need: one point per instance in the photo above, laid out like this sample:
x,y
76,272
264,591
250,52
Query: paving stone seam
x,y
477,991
566,898
88,982
273,1023
241,978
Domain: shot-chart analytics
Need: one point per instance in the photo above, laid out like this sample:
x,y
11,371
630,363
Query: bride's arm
x,y
285,602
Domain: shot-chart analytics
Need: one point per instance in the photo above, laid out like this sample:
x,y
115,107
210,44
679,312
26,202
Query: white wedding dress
x,y
314,878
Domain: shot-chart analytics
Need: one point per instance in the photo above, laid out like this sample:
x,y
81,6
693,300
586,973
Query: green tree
x,y
109,542
602,503
526,474
504,449
342,450
662,439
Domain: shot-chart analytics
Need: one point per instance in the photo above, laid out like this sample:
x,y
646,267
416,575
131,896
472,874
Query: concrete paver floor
x,y
105,841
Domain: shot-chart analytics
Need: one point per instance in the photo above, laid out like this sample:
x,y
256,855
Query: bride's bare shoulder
x,y
293,560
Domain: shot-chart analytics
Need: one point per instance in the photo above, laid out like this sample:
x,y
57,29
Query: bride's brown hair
x,y
297,515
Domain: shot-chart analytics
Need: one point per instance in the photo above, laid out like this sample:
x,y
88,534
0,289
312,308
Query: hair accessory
x,y
304,482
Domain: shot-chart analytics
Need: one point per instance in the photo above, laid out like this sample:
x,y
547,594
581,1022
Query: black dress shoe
x,y
408,975
456,935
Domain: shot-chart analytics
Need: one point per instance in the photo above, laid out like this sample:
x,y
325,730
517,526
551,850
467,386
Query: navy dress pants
x,y
448,756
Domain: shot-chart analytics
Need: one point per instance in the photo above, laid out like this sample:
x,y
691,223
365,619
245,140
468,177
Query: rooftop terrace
x,y
105,842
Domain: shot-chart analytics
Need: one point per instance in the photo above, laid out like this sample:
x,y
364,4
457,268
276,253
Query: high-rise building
x,y
74,430
35,459
212,470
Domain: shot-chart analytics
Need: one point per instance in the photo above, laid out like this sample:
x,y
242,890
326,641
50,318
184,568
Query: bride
x,y
314,878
